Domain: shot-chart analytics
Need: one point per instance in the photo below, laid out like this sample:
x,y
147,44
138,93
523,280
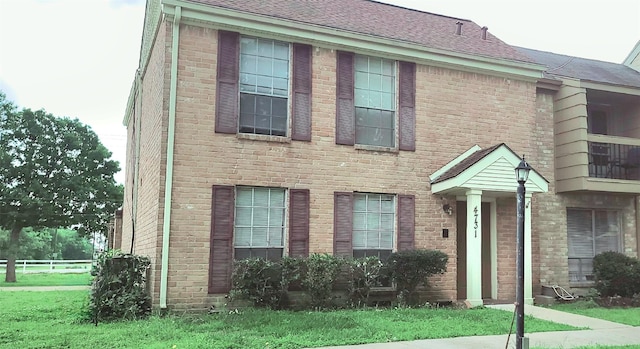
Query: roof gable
x,y
490,169
381,20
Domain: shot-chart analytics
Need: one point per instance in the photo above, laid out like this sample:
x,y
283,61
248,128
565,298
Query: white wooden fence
x,y
49,266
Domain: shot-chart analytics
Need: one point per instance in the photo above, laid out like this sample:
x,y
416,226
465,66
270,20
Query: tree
x,y
54,173
50,243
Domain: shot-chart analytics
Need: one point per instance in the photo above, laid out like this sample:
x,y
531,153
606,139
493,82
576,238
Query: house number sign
x,y
475,221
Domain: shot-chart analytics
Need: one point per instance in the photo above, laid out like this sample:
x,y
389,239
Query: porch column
x,y
528,268
474,247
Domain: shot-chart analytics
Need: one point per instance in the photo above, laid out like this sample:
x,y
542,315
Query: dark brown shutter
x,y
345,109
406,222
299,222
227,82
342,224
221,241
407,102
301,118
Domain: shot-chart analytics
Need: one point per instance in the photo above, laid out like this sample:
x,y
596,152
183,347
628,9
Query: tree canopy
x,y
55,173
48,243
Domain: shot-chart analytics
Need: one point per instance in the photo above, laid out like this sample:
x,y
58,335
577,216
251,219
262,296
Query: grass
x,y
48,279
627,316
26,315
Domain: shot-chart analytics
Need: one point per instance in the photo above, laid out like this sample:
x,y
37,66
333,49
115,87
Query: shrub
x,y
263,282
318,278
119,289
616,274
409,269
362,275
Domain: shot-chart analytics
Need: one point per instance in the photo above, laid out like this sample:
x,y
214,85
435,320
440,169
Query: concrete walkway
x,y
600,332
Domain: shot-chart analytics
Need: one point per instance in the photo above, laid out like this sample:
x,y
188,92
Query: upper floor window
x,y
597,121
375,101
590,232
264,86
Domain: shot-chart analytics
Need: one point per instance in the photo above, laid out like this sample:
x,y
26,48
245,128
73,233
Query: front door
x,y
461,222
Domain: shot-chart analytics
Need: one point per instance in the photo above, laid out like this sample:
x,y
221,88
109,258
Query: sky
x,y
77,58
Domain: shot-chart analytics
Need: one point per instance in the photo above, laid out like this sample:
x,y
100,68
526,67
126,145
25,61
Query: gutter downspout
x,y
171,135
136,166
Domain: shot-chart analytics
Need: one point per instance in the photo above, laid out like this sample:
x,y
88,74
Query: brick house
x,y
260,128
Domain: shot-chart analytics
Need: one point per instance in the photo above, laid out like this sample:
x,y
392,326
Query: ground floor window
x,y
590,232
259,225
373,225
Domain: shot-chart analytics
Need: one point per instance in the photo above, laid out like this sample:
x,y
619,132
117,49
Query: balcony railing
x,y
615,161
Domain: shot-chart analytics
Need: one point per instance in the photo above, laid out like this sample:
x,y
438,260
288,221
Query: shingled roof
x,y
466,163
381,20
584,69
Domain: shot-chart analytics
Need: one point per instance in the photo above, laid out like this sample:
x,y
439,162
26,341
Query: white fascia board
x,y
635,52
454,162
535,183
610,88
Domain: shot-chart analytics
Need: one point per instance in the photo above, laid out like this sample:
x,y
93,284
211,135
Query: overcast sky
x,y
77,58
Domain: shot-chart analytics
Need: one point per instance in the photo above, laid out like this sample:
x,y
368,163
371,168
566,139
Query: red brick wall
x,y
455,110
153,111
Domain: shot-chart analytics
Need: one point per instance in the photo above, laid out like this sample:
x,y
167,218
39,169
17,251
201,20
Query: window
x,y
597,122
375,101
264,86
590,232
373,225
250,222
367,224
259,223
254,92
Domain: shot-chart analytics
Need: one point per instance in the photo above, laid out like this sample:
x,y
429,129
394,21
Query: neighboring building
x,y
597,161
352,127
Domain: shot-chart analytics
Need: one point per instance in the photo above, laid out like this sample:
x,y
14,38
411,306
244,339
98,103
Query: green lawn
x,y
26,314
628,316
48,279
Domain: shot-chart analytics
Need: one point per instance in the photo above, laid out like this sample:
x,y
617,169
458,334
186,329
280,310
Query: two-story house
x,y
356,128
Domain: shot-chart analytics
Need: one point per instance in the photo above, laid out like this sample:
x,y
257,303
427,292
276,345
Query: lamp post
x,y
522,173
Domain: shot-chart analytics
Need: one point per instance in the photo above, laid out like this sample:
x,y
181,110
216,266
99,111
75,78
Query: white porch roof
x,y
489,170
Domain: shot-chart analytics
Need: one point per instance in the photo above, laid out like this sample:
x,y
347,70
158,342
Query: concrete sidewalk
x,y
600,332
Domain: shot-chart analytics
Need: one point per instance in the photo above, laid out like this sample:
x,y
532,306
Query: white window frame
x,y
370,104
237,224
243,75
367,211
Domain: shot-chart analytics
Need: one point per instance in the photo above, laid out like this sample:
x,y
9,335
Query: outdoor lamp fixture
x,y
522,173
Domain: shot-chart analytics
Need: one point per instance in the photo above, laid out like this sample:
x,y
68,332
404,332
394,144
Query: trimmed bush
x,y
409,269
265,282
616,274
119,289
362,275
318,278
